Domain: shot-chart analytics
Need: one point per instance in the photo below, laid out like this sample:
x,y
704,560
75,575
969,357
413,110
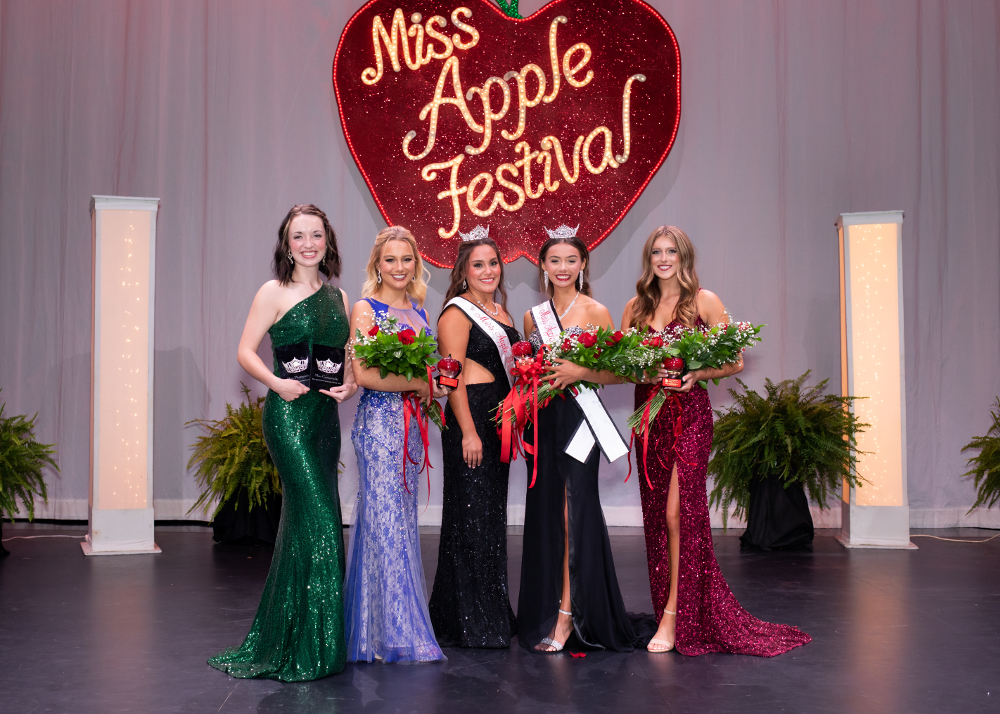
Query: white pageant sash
x,y
492,328
597,425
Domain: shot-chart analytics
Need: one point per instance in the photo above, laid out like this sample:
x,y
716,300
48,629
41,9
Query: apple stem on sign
x,y
510,8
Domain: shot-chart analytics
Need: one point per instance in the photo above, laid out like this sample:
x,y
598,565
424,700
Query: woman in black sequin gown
x,y
470,603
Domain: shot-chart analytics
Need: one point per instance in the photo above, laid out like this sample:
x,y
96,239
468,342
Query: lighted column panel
x,y
876,515
121,370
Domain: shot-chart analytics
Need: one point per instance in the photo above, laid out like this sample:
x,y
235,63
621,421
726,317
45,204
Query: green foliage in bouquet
x,y
800,436
396,349
986,466
233,456
21,462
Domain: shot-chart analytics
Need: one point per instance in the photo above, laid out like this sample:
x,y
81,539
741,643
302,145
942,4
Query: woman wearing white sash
x,y
568,584
470,603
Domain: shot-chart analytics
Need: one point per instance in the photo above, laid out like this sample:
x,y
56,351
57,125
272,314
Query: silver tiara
x,y
563,231
477,233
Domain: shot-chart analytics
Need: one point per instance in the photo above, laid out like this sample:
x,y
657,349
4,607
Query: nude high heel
x,y
662,645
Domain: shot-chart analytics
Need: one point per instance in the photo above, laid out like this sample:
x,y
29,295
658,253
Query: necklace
x,y
496,308
568,307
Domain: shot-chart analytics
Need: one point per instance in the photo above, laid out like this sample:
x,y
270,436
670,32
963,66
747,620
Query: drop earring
x,y
545,277
290,258
465,285
581,280
378,275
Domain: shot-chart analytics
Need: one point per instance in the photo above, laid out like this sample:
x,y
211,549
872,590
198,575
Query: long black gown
x,y
599,617
470,603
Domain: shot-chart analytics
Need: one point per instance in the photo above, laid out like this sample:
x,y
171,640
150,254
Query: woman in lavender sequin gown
x,y
696,610
385,596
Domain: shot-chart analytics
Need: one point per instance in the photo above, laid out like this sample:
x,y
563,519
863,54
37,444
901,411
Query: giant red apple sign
x,y
458,116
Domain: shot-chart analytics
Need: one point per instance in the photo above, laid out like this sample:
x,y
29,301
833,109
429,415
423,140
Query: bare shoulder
x,y
710,307
343,296
597,314
708,300
453,318
362,309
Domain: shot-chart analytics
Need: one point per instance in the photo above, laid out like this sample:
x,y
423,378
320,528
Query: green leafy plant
x,y
21,462
800,436
986,466
233,456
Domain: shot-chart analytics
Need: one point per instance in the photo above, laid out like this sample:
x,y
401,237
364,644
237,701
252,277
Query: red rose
x,y
567,345
374,331
609,343
407,337
521,349
618,336
656,342
588,339
645,343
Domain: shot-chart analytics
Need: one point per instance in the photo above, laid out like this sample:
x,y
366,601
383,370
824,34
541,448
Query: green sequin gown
x,y
298,632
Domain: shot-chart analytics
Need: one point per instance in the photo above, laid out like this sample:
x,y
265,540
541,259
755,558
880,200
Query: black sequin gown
x,y
470,603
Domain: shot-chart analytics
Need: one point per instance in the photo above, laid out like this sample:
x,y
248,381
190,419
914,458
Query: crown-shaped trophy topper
x,y
477,233
563,231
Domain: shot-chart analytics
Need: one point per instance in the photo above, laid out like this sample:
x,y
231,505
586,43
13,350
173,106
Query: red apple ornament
x,y
675,368
448,371
459,115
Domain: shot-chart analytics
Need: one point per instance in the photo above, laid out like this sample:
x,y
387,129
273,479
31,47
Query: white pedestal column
x,y
876,515
121,388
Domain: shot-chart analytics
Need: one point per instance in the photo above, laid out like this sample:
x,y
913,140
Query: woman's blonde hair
x,y
647,290
417,288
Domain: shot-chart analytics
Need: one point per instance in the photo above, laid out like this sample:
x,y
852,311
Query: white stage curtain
x,y
792,112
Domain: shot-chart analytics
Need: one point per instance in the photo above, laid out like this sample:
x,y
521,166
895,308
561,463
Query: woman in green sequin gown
x,y
298,632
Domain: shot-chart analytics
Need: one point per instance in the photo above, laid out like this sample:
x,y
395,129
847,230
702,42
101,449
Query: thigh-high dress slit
x,y
709,619
599,617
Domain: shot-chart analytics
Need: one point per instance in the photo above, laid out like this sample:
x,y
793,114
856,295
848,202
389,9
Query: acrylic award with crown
x,y
294,361
327,369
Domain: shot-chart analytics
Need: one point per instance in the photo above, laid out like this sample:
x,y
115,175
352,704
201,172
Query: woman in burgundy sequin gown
x,y
696,611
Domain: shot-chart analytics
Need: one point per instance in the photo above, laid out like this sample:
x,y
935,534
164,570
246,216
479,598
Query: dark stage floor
x,y
894,631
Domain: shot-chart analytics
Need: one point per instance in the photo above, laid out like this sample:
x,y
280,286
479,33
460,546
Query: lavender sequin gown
x,y
385,596
709,619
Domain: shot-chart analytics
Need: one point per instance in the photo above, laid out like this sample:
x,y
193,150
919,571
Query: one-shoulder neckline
x,y
301,302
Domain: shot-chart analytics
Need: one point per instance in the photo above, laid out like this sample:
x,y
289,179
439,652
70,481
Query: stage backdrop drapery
x,y
792,113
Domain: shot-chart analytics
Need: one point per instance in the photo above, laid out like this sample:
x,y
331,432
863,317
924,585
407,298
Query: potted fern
x,y
986,466
21,462
770,449
235,467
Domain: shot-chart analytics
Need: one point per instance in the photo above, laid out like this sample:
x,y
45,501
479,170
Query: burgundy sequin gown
x,y
709,619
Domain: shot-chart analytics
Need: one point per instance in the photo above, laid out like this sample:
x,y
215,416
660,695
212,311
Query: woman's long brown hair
x,y
461,270
647,290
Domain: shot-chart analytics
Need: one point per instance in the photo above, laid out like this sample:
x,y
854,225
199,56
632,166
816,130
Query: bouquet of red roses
x,y
399,349
682,349
595,348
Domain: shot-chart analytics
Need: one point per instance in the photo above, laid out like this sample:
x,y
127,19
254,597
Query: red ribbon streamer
x,y
644,425
411,407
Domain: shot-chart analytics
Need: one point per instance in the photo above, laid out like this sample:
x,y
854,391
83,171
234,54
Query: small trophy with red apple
x,y
675,368
448,370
